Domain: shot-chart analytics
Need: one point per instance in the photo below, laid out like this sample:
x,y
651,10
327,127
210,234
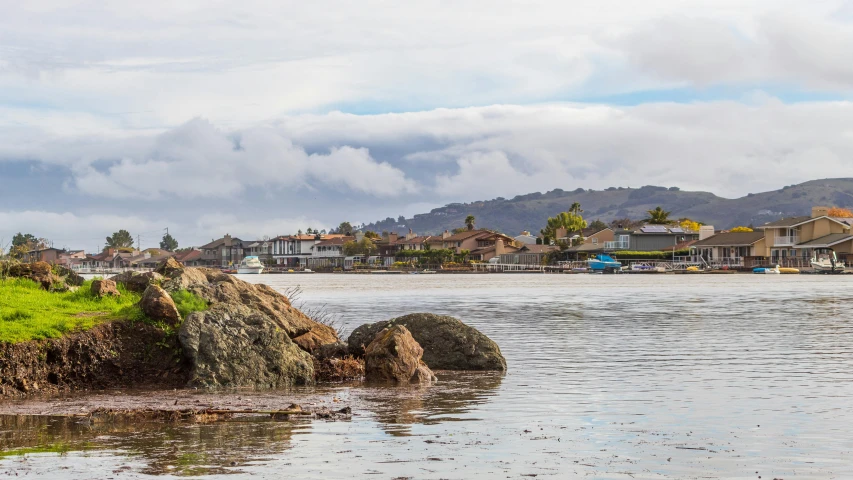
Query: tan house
x,y
792,241
731,249
482,244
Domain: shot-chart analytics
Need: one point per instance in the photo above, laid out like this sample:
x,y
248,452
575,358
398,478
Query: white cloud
x,y
198,160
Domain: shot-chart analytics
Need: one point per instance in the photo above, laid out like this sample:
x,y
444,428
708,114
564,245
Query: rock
x,y
217,287
169,267
394,356
70,277
39,272
448,343
137,282
158,305
102,288
232,345
317,337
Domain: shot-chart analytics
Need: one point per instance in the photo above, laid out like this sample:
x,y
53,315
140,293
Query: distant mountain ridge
x,y
530,212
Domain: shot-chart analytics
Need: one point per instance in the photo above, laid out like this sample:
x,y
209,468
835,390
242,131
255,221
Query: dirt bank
x,y
111,355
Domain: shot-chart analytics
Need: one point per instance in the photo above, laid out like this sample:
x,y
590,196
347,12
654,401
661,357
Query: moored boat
x,y
825,261
250,265
604,263
769,270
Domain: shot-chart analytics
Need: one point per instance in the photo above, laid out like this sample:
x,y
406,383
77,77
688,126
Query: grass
x,y
29,313
188,302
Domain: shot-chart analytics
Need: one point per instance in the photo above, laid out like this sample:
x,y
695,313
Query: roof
x,y
587,247
825,241
797,221
188,256
218,243
538,248
588,232
416,240
334,241
730,239
473,233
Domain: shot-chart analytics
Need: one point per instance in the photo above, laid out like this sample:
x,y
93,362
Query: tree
x,y
169,243
689,225
576,208
364,247
597,225
741,229
23,239
470,221
458,230
371,234
840,212
119,239
309,231
401,220
345,228
658,216
570,221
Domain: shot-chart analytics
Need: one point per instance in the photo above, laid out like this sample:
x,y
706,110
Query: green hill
x,y
529,212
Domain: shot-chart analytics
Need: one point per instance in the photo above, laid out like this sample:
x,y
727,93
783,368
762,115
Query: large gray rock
x,y
217,287
448,343
395,357
232,345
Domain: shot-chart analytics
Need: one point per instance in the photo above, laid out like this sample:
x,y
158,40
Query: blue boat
x,y
604,263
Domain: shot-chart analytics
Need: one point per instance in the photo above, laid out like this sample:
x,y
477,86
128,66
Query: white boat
x,y
250,265
825,261
766,270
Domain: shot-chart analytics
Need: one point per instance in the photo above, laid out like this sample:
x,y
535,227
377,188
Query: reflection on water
x,y
626,376
159,448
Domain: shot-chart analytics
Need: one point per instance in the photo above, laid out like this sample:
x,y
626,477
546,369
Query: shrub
x,y
188,302
652,255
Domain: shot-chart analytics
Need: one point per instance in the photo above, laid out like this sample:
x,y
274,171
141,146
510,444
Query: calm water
x,y
626,376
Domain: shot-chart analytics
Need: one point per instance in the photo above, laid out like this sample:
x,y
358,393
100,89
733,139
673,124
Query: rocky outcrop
x,y
138,282
70,277
169,268
217,287
394,356
448,343
39,272
156,304
233,345
103,288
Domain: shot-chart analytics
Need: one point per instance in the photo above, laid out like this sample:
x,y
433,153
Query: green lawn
x,y
27,312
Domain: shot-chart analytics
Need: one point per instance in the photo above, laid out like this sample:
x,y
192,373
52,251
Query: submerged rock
x,y
394,356
448,343
158,305
232,345
317,337
102,288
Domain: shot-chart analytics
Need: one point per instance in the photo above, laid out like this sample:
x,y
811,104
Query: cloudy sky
x,y
259,118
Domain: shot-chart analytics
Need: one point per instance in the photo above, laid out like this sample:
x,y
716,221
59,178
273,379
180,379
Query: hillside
x,y
529,212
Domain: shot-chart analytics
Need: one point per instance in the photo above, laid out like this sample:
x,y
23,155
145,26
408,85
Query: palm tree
x,y
576,208
470,221
658,216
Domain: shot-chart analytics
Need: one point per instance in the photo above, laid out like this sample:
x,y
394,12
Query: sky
x,y
261,118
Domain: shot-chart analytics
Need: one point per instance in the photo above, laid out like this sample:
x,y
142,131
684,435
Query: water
x,y
624,376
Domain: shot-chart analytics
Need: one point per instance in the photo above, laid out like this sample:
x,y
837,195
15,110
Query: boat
x,y
646,268
427,271
789,270
604,263
770,270
825,261
250,264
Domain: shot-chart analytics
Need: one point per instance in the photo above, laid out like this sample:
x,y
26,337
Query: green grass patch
x,y
188,302
57,448
28,313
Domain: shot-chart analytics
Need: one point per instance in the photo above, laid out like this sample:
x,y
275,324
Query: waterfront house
x,y
224,252
481,244
649,238
792,241
530,255
263,249
732,249
294,250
